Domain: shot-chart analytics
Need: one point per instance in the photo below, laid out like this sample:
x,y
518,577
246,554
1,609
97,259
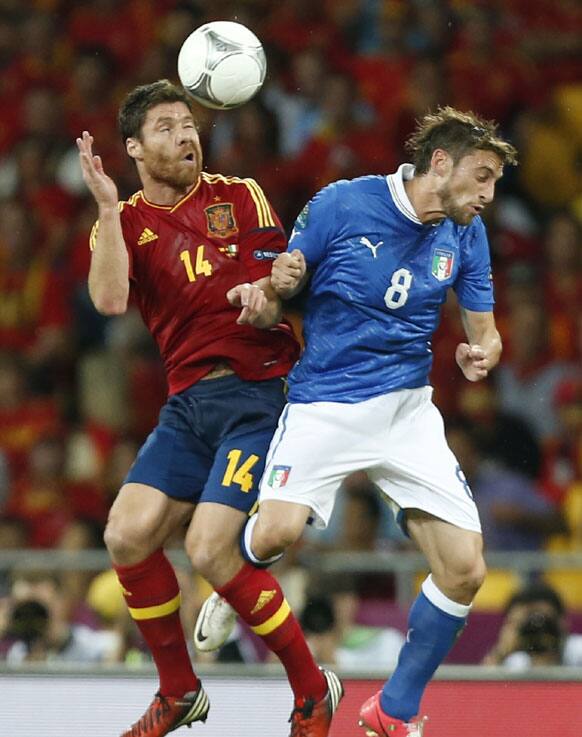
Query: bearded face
x,y
178,170
470,186
169,150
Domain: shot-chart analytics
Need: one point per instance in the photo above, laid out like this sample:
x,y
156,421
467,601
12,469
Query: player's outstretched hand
x,y
472,361
101,186
287,273
251,298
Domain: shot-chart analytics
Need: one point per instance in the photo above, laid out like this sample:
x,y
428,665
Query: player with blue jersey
x,y
379,279
381,254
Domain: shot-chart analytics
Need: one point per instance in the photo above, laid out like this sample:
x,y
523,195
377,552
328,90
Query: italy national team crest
x,y
220,220
442,264
279,476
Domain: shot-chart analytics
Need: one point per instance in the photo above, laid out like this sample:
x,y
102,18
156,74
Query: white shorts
x,y
398,438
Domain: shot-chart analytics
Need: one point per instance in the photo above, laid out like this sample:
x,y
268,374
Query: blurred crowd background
x,y
346,81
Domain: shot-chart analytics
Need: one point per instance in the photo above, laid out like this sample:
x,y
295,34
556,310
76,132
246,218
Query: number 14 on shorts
x,y
239,473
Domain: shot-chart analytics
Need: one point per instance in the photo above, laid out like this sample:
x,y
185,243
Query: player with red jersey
x,y
195,252
183,259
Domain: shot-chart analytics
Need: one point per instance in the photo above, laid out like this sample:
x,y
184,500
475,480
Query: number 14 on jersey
x,y
201,266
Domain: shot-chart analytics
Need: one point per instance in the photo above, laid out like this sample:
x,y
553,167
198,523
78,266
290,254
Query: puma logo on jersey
x,y
264,598
365,242
147,236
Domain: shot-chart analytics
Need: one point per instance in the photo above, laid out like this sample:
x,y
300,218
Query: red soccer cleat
x,y
378,724
167,713
313,719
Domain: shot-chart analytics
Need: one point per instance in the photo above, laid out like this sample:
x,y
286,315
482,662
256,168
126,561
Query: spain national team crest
x,y
278,476
220,220
442,264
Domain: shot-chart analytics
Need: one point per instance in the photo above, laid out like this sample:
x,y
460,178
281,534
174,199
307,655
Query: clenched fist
x,y
472,361
288,272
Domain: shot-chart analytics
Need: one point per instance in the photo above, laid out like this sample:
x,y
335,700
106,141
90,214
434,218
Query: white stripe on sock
x,y
248,536
436,597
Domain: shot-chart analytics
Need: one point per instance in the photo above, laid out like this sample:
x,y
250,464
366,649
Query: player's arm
x,y
289,274
482,351
262,238
312,231
108,274
261,306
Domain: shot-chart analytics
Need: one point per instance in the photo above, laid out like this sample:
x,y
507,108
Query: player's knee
x,y
275,536
202,559
211,556
126,543
212,546
473,578
467,577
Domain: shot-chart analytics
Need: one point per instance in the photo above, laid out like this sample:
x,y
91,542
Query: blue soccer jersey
x,y
379,278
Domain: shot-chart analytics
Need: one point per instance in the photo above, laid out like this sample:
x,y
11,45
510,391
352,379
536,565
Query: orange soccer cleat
x,y
313,719
167,713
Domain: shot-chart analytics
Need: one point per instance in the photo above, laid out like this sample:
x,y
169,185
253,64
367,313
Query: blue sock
x,y
431,634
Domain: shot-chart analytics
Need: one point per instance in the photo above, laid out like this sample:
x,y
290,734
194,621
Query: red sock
x,y
153,597
257,597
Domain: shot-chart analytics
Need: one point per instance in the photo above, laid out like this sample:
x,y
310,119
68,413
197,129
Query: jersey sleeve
x,y
262,237
313,228
127,236
474,283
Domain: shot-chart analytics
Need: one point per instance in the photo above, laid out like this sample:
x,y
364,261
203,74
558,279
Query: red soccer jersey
x,y
182,261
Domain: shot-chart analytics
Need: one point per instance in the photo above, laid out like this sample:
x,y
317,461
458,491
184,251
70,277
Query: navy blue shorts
x,y
211,442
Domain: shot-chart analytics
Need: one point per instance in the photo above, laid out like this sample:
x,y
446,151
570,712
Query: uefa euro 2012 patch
x,y
302,217
278,476
261,255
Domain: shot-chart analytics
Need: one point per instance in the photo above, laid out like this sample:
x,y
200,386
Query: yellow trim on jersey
x,y
171,208
264,215
187,197
212,178
153,612
258,204
268,221
260,210
273,622
120,205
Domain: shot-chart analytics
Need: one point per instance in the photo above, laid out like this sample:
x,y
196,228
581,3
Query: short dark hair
x,y
134,108
457,133
535,592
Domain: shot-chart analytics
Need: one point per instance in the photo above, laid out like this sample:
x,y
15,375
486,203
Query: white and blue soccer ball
x,y
222,64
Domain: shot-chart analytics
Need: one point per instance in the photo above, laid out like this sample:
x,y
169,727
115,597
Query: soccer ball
x,y
222,64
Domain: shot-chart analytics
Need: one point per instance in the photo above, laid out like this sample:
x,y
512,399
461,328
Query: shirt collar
x,y
396,186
